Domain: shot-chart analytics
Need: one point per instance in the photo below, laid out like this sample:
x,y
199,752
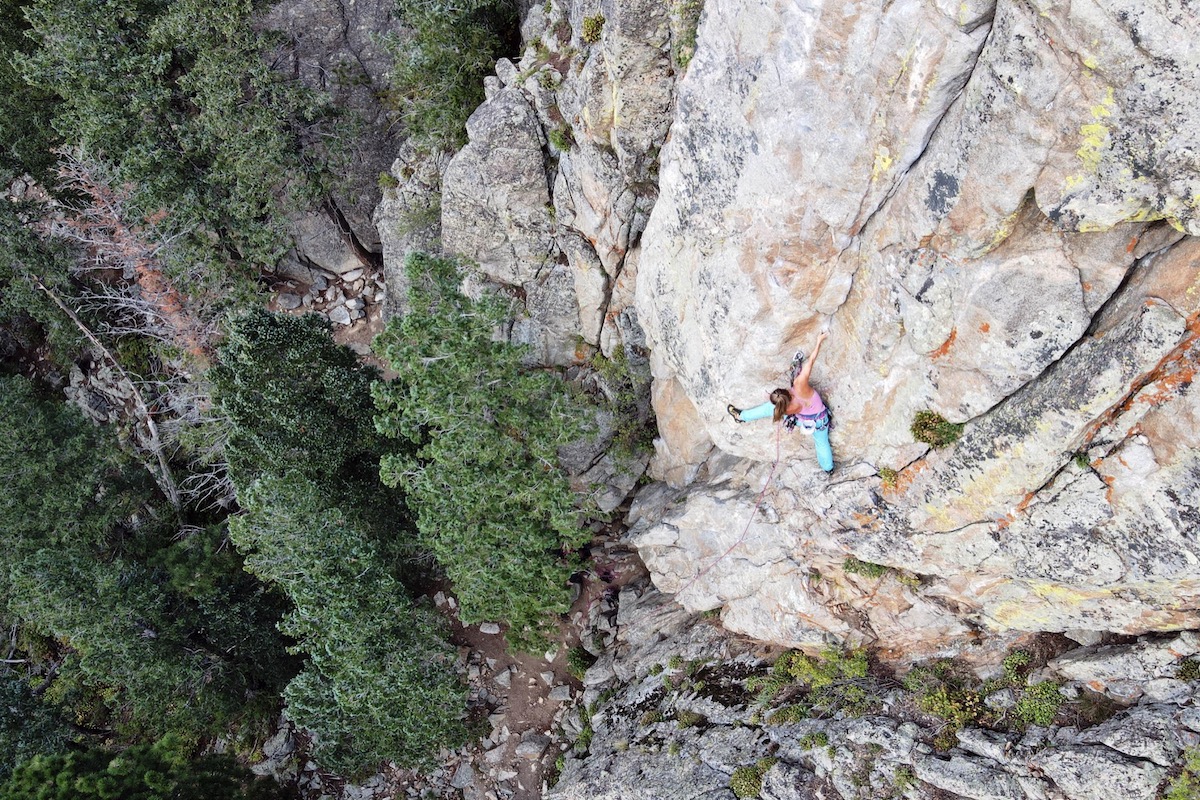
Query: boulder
x,y
495,197
1084,772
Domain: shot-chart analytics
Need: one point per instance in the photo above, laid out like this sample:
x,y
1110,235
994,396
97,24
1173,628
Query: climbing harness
x,y
809,423
753,512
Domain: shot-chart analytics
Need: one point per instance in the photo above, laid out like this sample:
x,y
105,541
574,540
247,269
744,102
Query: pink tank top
x,y
814,406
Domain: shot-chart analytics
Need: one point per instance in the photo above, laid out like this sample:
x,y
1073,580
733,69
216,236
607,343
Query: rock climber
x,y
800,405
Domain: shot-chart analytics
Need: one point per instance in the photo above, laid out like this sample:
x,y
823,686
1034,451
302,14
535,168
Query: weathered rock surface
x,y
668,664
952,192
339,49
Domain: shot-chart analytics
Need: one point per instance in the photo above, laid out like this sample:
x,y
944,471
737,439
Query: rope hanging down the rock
x,y
753,511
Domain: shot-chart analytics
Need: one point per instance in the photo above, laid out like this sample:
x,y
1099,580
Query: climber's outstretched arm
x,y
801,381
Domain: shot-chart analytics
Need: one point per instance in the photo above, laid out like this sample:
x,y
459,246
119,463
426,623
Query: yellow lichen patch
x,y
883,162
1095,136
1095,141
1104,107
1090,62
1005,230
1027,614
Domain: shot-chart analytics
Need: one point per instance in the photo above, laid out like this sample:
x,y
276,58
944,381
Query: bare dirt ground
x,y
525,696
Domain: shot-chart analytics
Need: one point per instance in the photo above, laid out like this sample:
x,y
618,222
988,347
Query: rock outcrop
x,y
675,720
982,204
992,208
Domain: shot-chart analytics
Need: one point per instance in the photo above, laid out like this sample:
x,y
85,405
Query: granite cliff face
x,y
989,208
992,207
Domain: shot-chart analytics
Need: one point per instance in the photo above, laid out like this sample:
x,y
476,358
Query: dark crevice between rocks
x,y
366,257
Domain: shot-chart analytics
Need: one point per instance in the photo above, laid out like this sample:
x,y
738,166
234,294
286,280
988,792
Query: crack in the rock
x,y
1089,332
902,177
365,256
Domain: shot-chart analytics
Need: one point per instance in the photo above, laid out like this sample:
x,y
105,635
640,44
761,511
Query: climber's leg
x,y
758,412
824,451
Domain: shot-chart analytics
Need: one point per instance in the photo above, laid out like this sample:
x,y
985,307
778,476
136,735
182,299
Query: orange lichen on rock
x,y
945,348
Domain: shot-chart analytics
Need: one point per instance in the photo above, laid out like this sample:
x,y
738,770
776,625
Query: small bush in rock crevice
x,y
747,781
592,28
934,430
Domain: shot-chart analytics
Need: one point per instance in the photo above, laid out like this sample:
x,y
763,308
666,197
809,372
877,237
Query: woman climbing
x,y
800,405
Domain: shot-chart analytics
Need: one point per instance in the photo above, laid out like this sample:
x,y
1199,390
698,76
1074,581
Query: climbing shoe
x,y
734,412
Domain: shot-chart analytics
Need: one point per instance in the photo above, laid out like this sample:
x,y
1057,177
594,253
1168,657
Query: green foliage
x,y
864,568
1189,670
27,726
296,400
789,714
1186,785
836,681
593,26
834,665
561,138
811,741
437,81
388,181
26,138
583,742
66,483
1013,665
933,429
179,98
946,691
888,477
490,500
958,706
689,719
378,682
93,564
142,772
1081,460
904,778
1038,704
578,661
651,717
627,387
27,316
747,781
685,20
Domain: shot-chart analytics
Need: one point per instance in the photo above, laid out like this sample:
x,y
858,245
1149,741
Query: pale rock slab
x,y
495,199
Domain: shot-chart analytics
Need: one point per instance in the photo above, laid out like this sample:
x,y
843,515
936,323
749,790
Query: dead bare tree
x,y
144,300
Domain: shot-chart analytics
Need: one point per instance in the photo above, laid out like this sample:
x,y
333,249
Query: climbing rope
x,y
753,512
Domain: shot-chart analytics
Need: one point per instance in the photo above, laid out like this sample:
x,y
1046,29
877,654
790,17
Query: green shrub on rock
x,y
1186,785
1039,704
593,26
747,781
933,429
